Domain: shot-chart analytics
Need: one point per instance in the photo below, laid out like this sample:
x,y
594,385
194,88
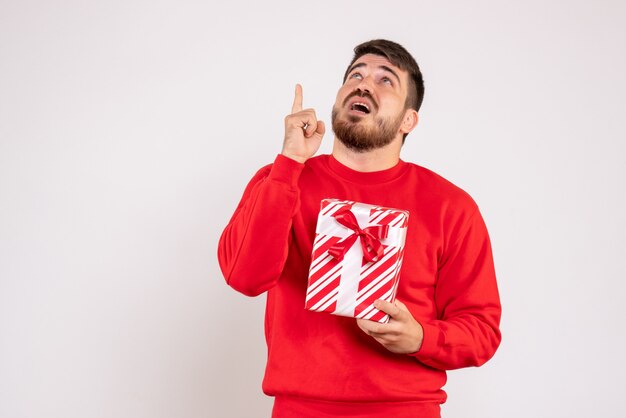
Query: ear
x,y
409,122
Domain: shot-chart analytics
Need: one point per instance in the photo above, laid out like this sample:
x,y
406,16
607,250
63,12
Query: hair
x,y
401,58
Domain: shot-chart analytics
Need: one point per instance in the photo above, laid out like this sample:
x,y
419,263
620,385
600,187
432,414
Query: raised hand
x,y
303,132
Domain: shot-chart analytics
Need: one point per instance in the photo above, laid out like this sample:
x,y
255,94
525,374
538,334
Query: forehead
x,y
373,62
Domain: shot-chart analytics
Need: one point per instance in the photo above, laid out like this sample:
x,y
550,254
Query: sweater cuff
x,y
286,170
430,342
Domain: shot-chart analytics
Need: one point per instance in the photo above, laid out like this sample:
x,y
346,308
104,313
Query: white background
x,y
128,130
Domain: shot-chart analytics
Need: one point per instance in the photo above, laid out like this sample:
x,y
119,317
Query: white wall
x,y
128,130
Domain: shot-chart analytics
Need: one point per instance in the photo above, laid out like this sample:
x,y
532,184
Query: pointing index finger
x,y
297,101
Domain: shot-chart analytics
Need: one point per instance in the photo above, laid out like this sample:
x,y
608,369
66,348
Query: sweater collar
x,y
372,177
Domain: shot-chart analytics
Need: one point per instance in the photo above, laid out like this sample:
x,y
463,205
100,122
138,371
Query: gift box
x,y
357,256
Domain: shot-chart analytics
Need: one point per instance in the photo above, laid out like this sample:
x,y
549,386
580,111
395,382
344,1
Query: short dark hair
x,y
400,57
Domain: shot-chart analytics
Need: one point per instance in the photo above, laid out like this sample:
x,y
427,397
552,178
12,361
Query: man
x,y
447,311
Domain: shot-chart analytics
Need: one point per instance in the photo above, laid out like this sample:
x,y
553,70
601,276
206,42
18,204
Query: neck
x,y
374,160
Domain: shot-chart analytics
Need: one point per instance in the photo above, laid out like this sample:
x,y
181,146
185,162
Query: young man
x,y
447,311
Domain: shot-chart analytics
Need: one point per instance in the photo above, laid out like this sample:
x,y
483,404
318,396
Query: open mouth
x,y
360,107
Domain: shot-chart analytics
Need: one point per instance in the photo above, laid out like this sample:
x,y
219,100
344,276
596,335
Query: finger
x,y
362,323
309,128
387,307
367,326
401,305
376,329
308,119
321,128
297,100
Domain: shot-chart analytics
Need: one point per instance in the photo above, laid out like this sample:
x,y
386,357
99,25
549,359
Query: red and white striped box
x,y
357,256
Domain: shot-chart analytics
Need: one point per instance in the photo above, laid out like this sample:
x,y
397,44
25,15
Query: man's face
x,y
370,106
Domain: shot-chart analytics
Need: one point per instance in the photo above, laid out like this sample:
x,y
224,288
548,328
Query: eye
x,y
358,76
386,80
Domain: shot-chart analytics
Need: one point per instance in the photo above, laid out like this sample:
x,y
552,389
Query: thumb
x,y
321,128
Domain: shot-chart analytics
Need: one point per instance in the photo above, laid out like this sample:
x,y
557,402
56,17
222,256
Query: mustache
x,y
361,93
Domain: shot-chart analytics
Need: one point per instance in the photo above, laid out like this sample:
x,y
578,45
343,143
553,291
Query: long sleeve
x,y
466,331
254,245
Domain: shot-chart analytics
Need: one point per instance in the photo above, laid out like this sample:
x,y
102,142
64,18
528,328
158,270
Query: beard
x,y
360,138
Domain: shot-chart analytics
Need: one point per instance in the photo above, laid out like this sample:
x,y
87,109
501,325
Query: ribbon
x,y
370,237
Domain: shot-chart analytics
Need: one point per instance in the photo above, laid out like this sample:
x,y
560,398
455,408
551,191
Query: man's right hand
x,y
303,132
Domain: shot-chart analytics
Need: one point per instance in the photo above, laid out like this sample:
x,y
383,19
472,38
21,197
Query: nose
x,y
362,90
364,85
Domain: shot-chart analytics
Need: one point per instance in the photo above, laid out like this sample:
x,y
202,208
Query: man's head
x,y
382,91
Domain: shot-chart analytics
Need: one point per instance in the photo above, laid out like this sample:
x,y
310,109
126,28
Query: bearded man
x,y
447,311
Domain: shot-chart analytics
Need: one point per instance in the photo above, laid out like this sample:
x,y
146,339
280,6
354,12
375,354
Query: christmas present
x,y
357,256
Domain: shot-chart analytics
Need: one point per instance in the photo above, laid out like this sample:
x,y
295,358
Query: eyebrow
x,y
384,67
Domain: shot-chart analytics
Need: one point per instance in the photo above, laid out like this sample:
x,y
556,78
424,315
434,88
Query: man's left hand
x,y
402,334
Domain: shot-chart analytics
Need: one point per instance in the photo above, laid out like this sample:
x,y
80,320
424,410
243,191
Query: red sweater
x,y
325,362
